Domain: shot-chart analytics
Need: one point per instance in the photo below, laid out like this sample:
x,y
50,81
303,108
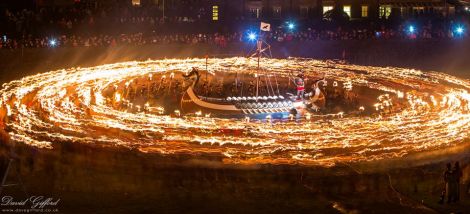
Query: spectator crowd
x,y
220,39
185,22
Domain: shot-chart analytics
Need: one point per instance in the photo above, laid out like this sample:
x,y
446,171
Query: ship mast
x,y
259,44
262,48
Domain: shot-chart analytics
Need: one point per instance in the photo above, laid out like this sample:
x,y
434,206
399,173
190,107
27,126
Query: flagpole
x,y
259,48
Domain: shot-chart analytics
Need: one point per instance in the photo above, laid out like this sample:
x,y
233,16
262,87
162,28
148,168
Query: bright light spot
x,y
135,2
268,118
411,29
247,119
251,36
459,30
117,97
52,42
290,26
298,104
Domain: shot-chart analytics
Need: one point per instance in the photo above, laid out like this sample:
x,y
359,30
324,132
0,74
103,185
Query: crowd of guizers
x,y
99,26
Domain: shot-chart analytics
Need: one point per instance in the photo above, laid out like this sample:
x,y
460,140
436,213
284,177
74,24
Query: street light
x,y
291,26
411,29
52,42
251,36
459,31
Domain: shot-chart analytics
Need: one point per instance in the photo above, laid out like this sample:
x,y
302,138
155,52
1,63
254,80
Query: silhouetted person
x,y
205,89
458,175
4,150
233,89
293,111
447,180
251,89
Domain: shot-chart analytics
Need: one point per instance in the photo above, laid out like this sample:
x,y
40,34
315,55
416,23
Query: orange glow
x,y
436,115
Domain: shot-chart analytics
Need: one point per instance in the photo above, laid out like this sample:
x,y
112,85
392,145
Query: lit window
x,y
136,2
385,11
451,10
404,11
347,9
215,13
277,12
418,10
255,12
327,8
364,11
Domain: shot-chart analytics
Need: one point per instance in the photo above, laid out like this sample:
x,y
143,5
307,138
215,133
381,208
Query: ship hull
x,y
191,103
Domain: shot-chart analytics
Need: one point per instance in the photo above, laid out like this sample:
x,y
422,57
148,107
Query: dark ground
x,y
89,179
445,56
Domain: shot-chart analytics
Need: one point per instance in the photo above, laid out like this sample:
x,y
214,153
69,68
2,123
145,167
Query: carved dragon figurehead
x,y
194,72
318,98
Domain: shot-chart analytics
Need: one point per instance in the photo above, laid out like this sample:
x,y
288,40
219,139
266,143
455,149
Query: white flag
x,y
265,26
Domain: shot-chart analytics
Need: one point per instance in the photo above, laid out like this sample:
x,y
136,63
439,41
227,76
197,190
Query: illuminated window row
x,y
215,13
347,10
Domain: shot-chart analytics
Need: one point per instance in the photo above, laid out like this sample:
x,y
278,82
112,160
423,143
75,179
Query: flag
x,y
265,26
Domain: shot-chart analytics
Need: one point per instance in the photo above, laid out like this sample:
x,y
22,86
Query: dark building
x,y
282,9
307,9
356,9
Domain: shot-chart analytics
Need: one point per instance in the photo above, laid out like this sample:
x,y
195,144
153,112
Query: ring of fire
x,y
73,105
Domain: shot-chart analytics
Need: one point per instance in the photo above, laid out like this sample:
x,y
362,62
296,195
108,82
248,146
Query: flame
x,y
55,106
